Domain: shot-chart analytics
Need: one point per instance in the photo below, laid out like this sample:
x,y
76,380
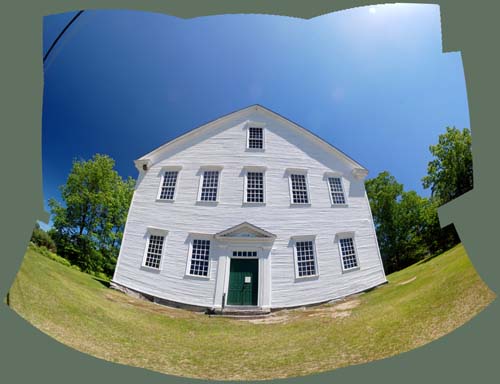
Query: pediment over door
x,y
245,231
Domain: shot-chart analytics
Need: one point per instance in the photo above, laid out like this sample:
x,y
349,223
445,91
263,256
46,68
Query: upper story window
x,y
209,190
348,253
299,189
305,258
199,257
154,248
336,191
169,181
255,137
254,187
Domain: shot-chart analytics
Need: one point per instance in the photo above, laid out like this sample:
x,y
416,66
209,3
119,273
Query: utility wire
x,y
60,35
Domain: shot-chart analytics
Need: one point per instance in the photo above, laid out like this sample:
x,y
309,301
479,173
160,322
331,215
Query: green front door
x,y
243,282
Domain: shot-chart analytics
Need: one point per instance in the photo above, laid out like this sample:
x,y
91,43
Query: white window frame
x,y
347,235
255,124
245,184
203,169
199,236
298,171
157,232
169,168
296,239
342,183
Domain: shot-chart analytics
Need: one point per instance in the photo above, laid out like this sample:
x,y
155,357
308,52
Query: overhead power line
x,y
60,35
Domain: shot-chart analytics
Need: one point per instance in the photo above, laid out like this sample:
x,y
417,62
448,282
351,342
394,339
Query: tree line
x,y
88,224
407,224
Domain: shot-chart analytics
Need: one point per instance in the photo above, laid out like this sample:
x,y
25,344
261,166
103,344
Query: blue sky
x,y
373,81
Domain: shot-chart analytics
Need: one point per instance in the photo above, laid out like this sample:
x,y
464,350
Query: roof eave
x,y
142,164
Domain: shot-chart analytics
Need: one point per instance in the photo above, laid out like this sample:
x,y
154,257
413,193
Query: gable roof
x,y
147,158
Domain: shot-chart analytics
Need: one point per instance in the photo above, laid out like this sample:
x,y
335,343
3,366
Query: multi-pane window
x,y
306,261
336,190
154,251
348,253
209,186
255,138
299,189
168,185
244,253
255,187
199,257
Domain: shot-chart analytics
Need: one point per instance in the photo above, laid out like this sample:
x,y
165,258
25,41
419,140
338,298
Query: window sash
x,y
168,185
210,186
255,138
306,258
255,187
200,252
300,193
336,190
154,251
348,253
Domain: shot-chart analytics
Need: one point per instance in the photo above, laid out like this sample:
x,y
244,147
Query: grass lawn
x,y
421,303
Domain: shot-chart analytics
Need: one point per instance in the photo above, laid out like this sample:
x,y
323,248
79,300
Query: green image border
x,y
468,354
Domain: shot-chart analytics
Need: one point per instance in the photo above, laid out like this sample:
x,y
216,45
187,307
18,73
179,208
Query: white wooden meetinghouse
x,y
250,210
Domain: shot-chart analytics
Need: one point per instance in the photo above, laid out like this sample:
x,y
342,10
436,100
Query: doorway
x,y
243,282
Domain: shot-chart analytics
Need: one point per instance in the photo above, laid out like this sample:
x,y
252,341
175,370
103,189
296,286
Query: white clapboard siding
x,y
224,145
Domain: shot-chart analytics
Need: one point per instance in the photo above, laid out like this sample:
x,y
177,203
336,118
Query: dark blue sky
x,y
372,81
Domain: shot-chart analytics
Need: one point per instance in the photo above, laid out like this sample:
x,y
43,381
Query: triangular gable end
x,y
245,231
147,160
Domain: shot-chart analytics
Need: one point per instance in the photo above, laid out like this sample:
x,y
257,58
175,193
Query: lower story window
x,y
154,251
348,253
199,257
306,260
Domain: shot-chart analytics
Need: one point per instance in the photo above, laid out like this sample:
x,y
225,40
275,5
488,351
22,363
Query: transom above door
x,y
245,254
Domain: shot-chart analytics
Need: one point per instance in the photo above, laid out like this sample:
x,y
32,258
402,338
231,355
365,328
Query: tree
x,y
437,239
412,228
449,174
88,227
403,221
42,238
383,192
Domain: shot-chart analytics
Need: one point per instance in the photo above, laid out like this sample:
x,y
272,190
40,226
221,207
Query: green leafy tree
x,y
88,227
449,174
412,228
383,192
403,221
42,239
437,239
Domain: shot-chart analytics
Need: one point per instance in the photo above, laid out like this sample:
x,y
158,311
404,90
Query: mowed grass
x,y
420,304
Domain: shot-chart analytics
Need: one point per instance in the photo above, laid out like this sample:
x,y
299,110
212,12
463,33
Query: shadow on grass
x,y
106,283
450,235
427,259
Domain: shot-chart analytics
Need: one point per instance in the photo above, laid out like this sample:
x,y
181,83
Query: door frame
x,y
228,271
